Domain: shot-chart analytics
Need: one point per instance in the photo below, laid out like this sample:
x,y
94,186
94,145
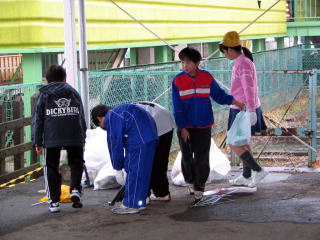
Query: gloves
x,y
120,177
253,118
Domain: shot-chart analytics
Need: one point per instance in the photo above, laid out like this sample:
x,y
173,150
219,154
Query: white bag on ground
x,y
106,178
218,161
97,160
239,133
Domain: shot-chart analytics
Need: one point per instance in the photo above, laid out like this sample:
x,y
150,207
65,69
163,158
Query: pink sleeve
x,y
247,75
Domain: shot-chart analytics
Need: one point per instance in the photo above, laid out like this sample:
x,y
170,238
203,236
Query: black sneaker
x,y
197,196
54,207
76,198
190,190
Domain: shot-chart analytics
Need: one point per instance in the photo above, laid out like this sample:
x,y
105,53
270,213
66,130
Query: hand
x,y
185,135
39,150
120,177
253,118
239,104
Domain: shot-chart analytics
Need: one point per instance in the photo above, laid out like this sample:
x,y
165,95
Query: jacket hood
x,y
55,88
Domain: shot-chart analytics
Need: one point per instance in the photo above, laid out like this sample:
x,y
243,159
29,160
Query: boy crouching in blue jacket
x,y
132,140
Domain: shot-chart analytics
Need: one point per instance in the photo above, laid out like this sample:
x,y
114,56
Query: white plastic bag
x,y
96,152
97,160
240,132
106,178
218,161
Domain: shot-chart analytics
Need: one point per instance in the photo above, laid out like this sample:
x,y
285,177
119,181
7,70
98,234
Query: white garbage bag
x,y
218,161
97,160
106,178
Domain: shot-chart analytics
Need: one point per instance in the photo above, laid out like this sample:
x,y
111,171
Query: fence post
x,y
2,135
34,156
18,135
313,115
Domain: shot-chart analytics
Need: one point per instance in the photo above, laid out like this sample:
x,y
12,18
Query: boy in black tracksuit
x,y
58,123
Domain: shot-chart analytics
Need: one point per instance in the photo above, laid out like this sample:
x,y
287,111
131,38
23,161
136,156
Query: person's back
x,y
159,183
58,123
161,116
63,120
135,123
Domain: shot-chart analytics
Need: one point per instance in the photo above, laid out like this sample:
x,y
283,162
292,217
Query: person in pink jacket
x,y
244,88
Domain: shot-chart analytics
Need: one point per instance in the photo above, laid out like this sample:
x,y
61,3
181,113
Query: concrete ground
x,y
286,206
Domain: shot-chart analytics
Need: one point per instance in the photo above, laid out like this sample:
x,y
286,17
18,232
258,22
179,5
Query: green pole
x,y
213,47
32,72
163,54
280,42
133,56
259,45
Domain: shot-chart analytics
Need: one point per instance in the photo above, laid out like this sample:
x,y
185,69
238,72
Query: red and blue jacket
x,y
191,99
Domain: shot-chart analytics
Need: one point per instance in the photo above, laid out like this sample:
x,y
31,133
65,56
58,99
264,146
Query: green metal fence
x,y
8,94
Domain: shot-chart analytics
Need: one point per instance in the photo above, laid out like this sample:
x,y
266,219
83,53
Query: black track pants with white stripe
x,y
51,170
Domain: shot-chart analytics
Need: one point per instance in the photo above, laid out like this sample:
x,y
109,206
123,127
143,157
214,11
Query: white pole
x,y
70,47
84,62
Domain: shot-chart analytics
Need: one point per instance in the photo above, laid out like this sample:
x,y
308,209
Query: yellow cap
x,y
231,39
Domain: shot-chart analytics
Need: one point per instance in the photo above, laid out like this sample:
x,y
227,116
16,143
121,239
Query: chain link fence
x,y
146,82
132,84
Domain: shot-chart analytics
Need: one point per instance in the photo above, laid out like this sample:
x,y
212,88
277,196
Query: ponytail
x,y
247,53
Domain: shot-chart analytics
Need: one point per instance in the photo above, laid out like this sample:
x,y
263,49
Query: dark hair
x,y
191,54
99,111
245,50
56,73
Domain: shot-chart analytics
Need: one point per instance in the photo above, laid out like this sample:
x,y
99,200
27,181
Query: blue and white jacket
x,y
128,127
191,99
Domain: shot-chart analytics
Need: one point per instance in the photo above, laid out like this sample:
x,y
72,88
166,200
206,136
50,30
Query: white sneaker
x,y
241,181
162,199
54,207
76,198
257,177
122,209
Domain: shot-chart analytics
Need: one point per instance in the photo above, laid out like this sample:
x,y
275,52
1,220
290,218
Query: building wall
x,y
37,25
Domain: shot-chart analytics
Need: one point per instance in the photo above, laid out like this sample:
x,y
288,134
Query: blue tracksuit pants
x,y
138,166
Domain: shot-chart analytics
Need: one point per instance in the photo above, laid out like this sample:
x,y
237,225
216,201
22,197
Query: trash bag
x,y
106,178
64,197
97,160
240,132
218,161
96,150
176,172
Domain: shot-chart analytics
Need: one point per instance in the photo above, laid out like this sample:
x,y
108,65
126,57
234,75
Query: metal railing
x,y
303,10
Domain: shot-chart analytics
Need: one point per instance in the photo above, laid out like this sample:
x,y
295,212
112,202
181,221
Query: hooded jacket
x,y
58,118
